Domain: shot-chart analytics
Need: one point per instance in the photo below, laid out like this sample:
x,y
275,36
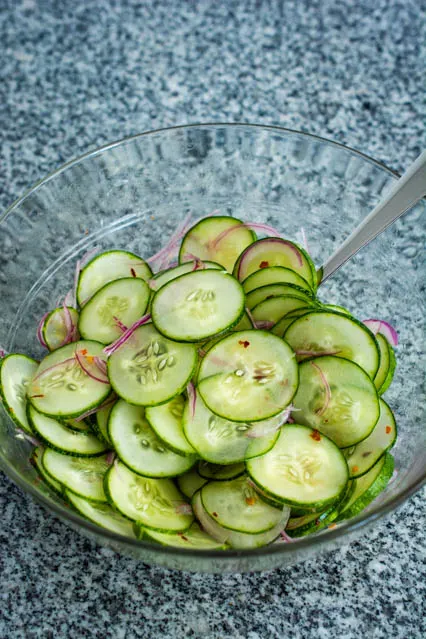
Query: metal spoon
x,y
408,190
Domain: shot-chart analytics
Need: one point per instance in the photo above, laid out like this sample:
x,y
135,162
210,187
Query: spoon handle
x,y
408,190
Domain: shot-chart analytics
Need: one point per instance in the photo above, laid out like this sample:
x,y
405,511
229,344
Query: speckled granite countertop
x,y
76,75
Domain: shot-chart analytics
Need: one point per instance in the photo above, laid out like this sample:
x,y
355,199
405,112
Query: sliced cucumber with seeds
x,y
274,251
107,267
56,326
150,369
194,538
166,421
275,308
169,274
82,476
235,505
324,333
303,469
155,503
138,446
16,373
198,305
62,388
338,398
231,537
220,239
364,455
102,515
221,441
124,300
190,482
57,436
263,293
248,376
37,461
368,487
275,275
207,470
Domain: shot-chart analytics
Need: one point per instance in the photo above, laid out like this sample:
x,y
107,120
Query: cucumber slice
x,y
303,469
220,239
336,309
221,441
101,422
235,505
391,369
324,333
365,454
55,327
275,308
338,398
80,426
172,273
275,275
166,422
274,251
61,388
368,487
207,470
198,305
311,523
231,537
248,376
84,477
154,503
102,515
150,369
57,436
281,326
190,482
109,266
37,462
138,446
125,299
16,372
194,538
263,293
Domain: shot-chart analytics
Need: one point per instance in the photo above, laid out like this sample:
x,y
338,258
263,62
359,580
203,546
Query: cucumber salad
x,y
216,403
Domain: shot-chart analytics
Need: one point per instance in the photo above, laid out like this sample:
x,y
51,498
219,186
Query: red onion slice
x,y
84,364
380,326
109,350
40,330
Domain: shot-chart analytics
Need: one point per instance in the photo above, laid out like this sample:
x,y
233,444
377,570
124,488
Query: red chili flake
x,y
184,538
215,515
388,429
250,501
355,469
244,343
34,396
367,453
315,436
332,526
317,522
133,272
263,264
84,351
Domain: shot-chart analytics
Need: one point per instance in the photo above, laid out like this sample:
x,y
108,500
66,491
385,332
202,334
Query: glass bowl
x,y
132,194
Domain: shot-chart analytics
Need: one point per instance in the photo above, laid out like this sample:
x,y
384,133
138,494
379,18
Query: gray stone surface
x,y
76,75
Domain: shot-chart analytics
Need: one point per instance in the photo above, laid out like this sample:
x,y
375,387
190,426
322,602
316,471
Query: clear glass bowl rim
x,y
276,549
